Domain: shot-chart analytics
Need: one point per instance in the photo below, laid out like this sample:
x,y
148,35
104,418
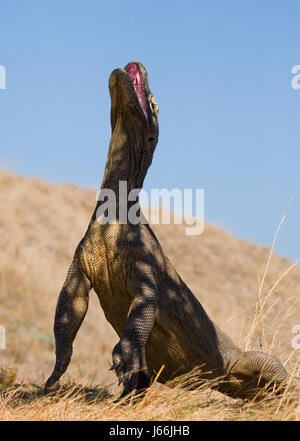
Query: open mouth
x,y
135,74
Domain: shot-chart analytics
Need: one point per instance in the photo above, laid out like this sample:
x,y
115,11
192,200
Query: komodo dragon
x,y
157,317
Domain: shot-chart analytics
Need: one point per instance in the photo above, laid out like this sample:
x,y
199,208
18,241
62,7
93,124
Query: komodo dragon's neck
x,y
128,156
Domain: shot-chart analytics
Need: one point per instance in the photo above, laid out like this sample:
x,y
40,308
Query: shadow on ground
x,y
21,394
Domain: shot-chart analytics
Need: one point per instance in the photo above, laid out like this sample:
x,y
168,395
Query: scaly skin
x,y
157,317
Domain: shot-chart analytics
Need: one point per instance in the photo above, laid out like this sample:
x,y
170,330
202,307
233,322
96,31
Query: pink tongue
x,y
136,78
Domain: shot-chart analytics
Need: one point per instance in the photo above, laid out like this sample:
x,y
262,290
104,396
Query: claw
x,y
115,365
126,384
48,385
120,379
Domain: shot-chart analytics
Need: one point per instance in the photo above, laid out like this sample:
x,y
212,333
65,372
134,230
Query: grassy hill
x,y
40,225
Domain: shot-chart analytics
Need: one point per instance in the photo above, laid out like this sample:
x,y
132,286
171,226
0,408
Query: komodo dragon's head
x,y
134,126
131,97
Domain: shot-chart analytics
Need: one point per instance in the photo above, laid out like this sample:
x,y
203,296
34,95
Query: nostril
x,y
151,139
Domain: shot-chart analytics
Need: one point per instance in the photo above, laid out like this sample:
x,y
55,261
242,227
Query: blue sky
x,y
221,74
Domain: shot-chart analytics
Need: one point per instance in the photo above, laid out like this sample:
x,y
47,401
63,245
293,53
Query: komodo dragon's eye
x,y
154,106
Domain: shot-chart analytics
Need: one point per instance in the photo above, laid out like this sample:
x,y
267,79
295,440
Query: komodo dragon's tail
x,y
265,368
254,370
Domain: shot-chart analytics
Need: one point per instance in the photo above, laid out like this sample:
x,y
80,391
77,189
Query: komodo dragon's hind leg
x,y
70,311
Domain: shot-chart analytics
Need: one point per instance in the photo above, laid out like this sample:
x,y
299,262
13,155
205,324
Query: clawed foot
x,y
62,362
130,366
49,383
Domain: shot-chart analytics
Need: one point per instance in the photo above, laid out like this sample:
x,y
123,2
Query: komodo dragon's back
x,y
157,317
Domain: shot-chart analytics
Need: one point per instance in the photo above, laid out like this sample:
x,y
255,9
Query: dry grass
x,y
40,225
161,403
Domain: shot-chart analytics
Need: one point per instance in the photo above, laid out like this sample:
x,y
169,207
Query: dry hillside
x,y
40,225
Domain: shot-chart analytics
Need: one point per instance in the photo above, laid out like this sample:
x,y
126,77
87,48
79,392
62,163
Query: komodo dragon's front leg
x,y
129,358
71,308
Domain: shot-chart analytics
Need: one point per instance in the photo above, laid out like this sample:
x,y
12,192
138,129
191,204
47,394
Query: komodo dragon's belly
x,y
164,349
